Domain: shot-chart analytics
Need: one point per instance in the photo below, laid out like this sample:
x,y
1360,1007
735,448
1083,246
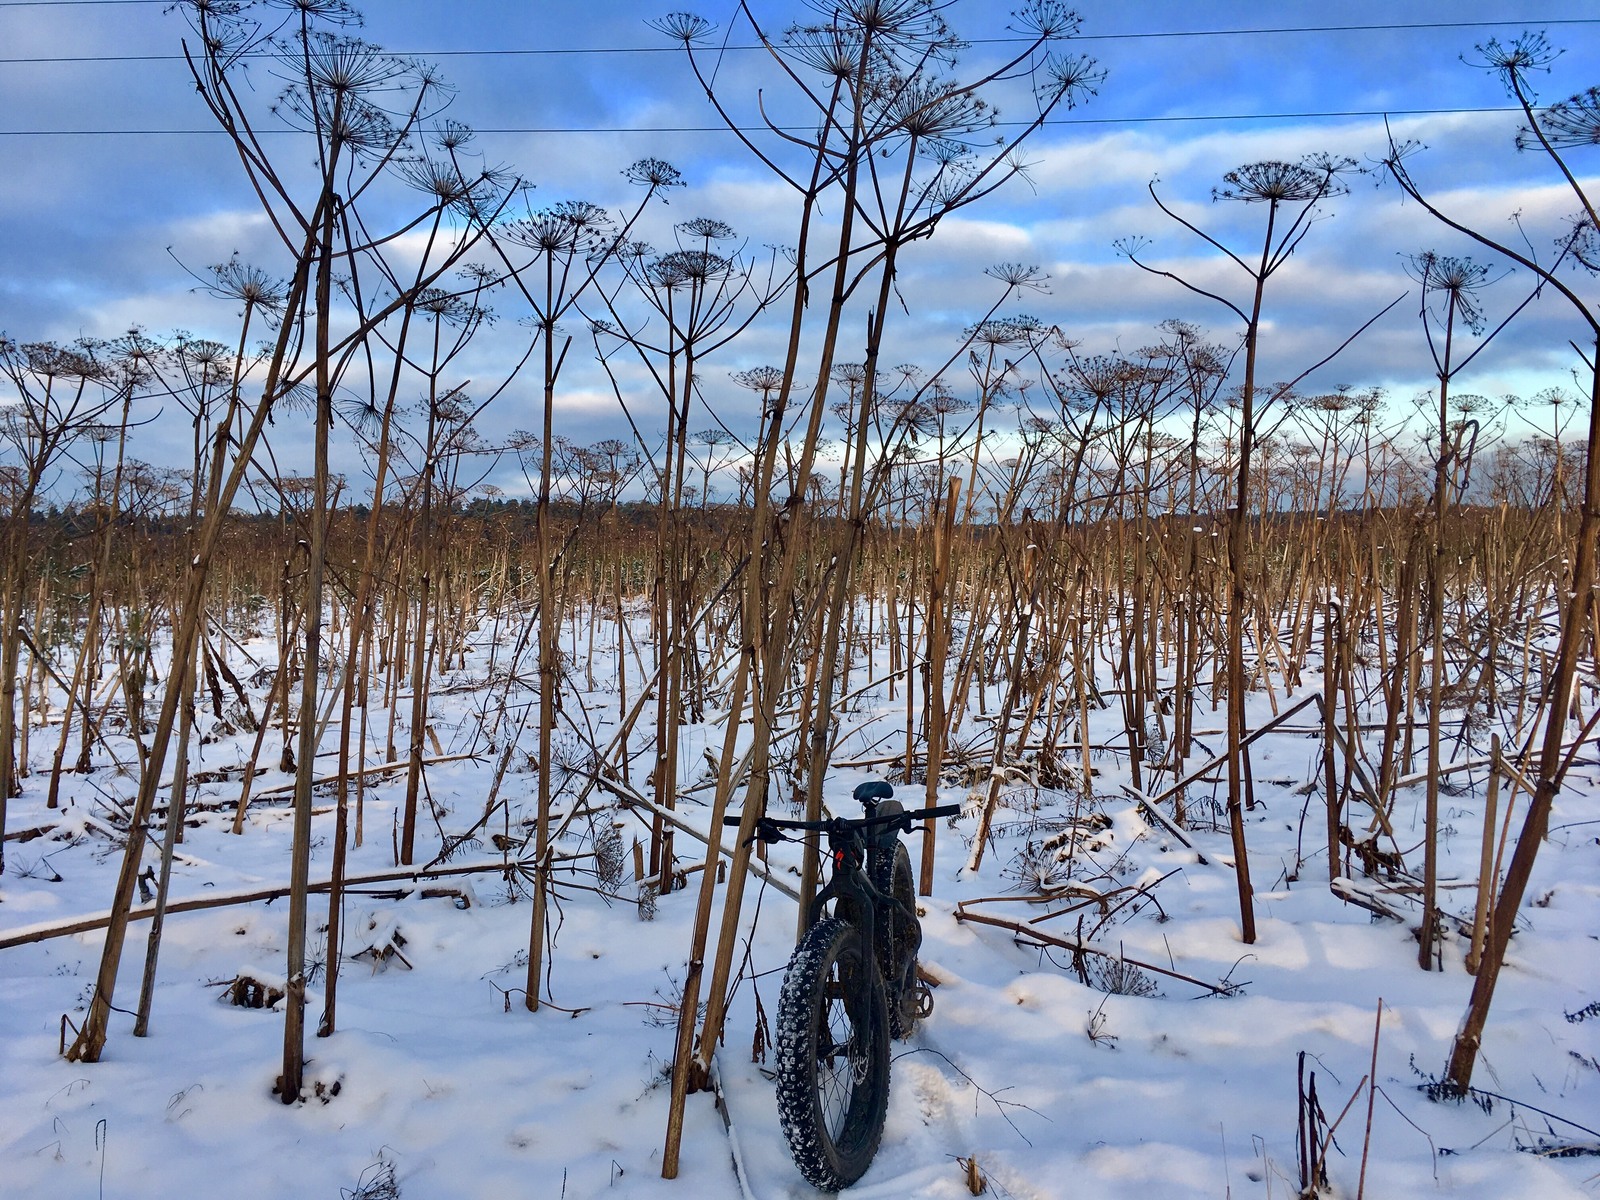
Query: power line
x,y
571,51
591,129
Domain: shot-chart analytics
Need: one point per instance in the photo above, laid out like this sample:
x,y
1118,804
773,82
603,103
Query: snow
x,y
1052,1087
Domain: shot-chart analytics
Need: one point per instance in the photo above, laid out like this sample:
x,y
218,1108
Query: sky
x,y
117,192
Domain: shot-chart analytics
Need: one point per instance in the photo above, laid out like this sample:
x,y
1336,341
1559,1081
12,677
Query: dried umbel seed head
x,y
608,854
684,27
1275,182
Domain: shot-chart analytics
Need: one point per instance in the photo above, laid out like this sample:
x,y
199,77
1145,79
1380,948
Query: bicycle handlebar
x,y
904,819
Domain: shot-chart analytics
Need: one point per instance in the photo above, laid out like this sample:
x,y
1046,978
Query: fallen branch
x,y
1221,759
1166,823
632,799
28,934
1349,889
1077,946
28,835
399,764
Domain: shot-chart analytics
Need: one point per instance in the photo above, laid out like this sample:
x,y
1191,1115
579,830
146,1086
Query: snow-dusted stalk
x,y
1027,599
943,518
177,801
1566,123
1487,860
62,394
1290,193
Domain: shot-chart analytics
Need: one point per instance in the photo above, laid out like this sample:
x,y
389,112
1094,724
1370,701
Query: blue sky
x,y
98,220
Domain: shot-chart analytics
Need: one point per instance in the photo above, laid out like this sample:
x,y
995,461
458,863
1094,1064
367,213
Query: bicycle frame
x,y
853,847
850,987
849,880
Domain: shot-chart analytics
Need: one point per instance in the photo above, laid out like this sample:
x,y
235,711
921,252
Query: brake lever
x,y
909,824
765,831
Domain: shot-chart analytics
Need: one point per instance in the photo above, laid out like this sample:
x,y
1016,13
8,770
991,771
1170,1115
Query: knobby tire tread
x,y
899,938
830,959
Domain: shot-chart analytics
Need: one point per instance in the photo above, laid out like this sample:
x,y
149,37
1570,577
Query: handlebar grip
x,y
732,821
944,810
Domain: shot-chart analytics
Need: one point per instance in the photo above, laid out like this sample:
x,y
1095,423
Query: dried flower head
x,y
684,27
760,379
681,268
653,173
1018,275
1582,242
1528,51
935,108
829,50
50,360
568,227
1572,122
1070,79
1455,280
1019,330
251,286
1275,182
708,229
1046,19
335,12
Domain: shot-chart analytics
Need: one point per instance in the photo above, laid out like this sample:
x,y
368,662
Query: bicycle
x,y
840,1005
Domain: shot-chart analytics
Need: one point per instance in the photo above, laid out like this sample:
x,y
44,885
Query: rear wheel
x,y
899,937
833,1056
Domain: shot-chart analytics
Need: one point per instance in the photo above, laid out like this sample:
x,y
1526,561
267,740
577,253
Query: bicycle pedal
x,y
924,1001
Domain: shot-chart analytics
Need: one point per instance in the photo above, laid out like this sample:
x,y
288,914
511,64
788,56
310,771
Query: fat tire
x,y
831,1106
899,937
897,934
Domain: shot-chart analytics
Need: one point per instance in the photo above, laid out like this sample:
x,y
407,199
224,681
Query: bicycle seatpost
x,y
871,792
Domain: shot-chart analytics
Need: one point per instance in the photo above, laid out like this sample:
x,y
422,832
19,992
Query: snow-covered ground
x,y
439,1082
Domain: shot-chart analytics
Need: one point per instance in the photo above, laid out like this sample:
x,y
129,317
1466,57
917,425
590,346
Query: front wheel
x,y
833,1056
